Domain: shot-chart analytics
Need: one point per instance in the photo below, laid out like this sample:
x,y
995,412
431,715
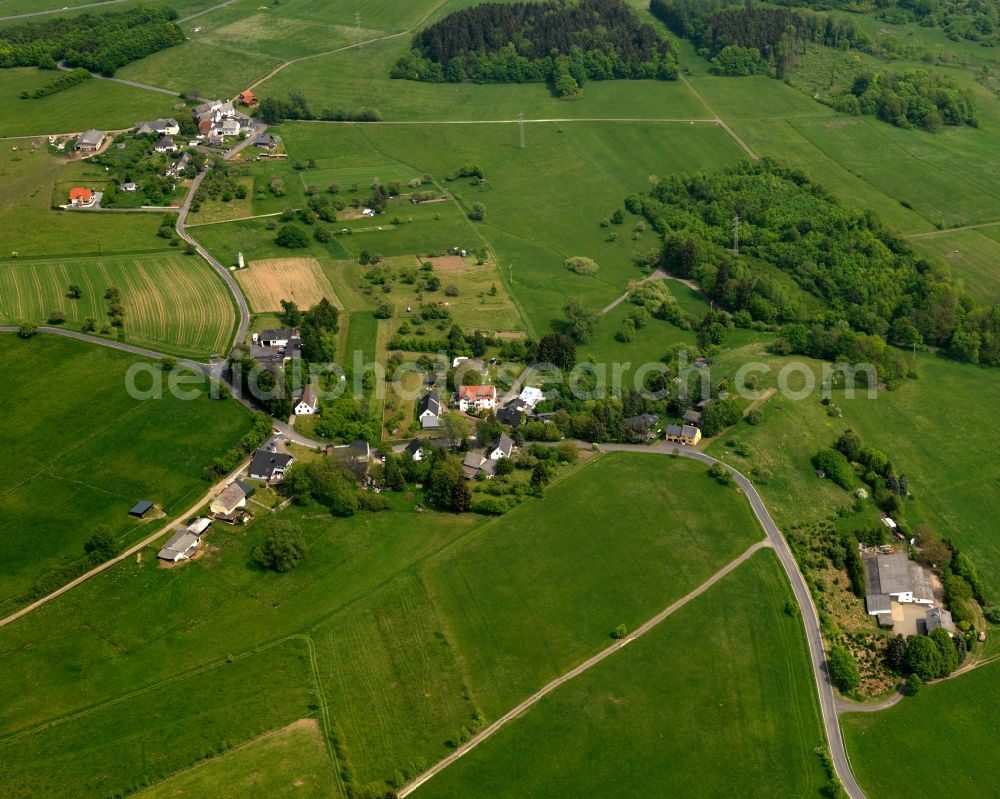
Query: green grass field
x,y
32,229
291,761
94,103
87,452
544,203
384,597
172,302
952,475
170,725
973,256
361,77
247,40
650,721
944,741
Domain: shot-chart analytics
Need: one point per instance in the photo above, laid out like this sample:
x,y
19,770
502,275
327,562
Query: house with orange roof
x,y
477,398
247,98
81,198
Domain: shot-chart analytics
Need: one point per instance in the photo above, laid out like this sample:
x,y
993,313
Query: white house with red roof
x,y
477,398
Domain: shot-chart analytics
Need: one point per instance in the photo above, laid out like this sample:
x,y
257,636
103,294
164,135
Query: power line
x,y
736,235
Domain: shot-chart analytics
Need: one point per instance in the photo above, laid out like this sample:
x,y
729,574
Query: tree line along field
x,y
418,621
172,302
361,76
646,722
92,103
87,452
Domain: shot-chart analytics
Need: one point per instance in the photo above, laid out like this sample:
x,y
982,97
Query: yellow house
x,y
688,434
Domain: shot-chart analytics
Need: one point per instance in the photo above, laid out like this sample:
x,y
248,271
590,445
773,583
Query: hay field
x,y
173,303
267,282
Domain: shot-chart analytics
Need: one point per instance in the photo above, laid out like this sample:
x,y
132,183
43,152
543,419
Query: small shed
x,y
141,508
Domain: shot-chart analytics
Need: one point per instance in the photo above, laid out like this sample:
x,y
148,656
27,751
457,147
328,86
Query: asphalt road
x,y
212,370
241,303
827,699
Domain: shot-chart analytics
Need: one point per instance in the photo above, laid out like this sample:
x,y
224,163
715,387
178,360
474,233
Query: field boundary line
x,y
718,119
229,659
536,697
354,46
942,231
545,120
237,219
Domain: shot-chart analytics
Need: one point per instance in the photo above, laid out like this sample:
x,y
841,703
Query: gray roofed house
x,y
269,465
503,447
89,140
229,500
939,617
692,417
511,413
429,412
165,145
265,141
475,462
180,546
415,449
167,127
895,577
129,186
276,337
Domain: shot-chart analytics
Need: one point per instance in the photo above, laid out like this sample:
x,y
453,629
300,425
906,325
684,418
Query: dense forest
x,y
914,98
565,43
975,20
97,42
833,279
725,33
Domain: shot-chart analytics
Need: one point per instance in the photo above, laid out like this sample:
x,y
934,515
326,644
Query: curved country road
x,y
241,303
212,370
810,618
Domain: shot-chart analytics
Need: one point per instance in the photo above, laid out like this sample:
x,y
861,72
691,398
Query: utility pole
x,y
520,125
357,24
736,235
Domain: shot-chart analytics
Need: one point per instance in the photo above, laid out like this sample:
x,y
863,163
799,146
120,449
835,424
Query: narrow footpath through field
x,y
171,527
536,697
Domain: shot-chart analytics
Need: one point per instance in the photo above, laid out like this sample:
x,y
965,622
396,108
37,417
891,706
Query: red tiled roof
x,y
477,392
80,194
204,126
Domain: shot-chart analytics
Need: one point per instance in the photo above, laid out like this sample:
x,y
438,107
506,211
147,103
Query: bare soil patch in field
x,y
267,282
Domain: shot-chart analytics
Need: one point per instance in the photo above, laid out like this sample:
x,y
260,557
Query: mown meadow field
x,y
648,721
87,452
174,303
411,615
